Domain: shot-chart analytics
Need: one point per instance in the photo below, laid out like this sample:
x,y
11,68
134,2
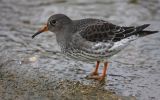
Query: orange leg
x,y
102,77
95,72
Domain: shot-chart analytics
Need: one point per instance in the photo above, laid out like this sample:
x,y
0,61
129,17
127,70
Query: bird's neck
x,y
64,37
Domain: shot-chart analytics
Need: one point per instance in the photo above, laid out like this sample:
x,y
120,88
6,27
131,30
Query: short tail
x,y
141,32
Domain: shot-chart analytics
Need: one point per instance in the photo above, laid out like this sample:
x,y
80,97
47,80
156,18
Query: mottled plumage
x,y
98,40
92,39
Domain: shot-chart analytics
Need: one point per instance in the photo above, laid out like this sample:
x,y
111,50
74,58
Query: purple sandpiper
x,y
91,39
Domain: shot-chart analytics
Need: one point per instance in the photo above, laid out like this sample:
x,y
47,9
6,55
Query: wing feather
x,y
104,32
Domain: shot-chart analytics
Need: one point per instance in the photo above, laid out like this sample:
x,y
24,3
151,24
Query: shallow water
x,y
34,69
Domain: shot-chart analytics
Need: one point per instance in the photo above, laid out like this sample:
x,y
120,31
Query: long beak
x,y
44,29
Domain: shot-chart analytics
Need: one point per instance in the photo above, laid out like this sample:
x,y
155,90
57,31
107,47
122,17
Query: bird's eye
x,y
53,22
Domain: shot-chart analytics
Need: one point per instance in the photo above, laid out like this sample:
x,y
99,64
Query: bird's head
x,y
56,23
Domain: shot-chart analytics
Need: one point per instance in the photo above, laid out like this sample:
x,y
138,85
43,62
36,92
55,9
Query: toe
x,y
91,76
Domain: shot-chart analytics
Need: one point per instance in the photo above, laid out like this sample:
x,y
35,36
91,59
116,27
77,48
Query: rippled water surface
x,y
35,69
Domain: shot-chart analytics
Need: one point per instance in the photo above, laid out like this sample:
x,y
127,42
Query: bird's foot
x,y
91,75
96,77
100,78
94,74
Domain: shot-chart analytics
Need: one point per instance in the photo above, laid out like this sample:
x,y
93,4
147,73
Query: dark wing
x,y
104,32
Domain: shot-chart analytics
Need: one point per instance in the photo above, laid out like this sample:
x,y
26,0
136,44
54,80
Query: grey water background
x,y
35,70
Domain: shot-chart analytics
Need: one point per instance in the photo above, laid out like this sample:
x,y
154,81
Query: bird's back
x,y
95,39
82,23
